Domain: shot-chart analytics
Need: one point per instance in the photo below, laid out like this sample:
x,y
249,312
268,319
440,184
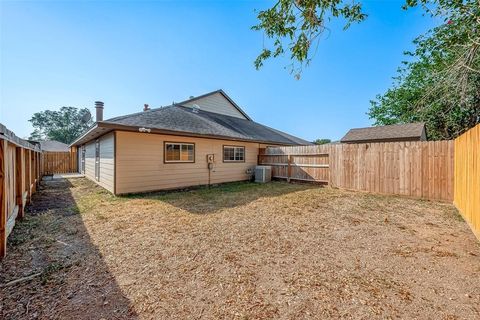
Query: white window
x,y
179,152
233,154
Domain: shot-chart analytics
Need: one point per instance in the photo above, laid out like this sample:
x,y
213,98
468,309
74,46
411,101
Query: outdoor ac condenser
x,y
263,174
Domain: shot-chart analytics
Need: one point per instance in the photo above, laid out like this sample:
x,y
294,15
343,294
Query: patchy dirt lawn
x,y
238,251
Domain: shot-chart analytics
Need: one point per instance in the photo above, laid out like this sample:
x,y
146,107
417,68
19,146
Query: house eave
x,y
103,127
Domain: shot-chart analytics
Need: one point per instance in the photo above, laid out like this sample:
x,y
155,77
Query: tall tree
x,y
64,125
440,84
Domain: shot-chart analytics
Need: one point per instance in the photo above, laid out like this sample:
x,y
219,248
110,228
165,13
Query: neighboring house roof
x,y
53,146
398,132
178,119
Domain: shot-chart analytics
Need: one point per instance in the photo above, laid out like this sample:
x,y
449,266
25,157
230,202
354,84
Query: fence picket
x,y
420,169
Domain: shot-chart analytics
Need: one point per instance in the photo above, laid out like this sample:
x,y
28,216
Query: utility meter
x,y
210,158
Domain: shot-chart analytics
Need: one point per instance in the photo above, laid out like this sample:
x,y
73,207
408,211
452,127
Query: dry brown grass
x,y
241,251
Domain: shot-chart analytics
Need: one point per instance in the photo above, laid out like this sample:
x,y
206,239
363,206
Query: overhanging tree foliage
x,y
64,125
440,85
297,25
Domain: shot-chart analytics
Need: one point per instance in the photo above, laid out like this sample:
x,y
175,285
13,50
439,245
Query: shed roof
x,y
390,132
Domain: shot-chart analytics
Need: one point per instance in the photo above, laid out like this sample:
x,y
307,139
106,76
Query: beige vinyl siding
x,y
79,159
140,163
107,161
217,103
90,160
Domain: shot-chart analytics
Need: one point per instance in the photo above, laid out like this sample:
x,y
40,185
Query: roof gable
x,y
217,102
389,132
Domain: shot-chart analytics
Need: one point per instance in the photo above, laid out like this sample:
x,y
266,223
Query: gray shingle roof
x,y
183,119
408,131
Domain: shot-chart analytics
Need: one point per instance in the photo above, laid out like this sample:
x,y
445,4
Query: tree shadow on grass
x,y
71,279
205,200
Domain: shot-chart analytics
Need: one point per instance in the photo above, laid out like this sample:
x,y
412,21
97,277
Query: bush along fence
x,y
20,173
435,170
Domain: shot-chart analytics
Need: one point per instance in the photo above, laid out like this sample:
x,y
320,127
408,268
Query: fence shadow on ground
x,y
208,200
71,279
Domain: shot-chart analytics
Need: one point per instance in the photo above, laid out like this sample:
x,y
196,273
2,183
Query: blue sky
x,y
71,53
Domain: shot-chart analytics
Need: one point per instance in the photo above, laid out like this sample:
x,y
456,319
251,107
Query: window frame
x,y
165,143
234,147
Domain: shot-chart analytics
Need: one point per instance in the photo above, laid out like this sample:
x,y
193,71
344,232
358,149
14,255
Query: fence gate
x,y
59,162
312,167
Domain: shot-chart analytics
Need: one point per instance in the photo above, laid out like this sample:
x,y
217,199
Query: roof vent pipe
x,y
99,108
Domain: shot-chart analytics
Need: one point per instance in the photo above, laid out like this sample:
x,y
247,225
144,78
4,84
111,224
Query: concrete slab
x,y
63,176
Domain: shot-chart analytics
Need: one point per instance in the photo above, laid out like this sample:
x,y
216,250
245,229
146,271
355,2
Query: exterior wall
x,y
218,104
140,163
79,159
423,137
90,160
107,161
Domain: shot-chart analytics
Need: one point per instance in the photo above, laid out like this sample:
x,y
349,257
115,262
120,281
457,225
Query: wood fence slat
x,y
418,169
59,162
467,177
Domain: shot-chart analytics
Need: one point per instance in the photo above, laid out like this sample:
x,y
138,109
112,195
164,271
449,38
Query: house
x,y
53,146
204,140
390,133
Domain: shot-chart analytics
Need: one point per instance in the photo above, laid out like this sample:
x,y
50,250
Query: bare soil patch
x,y
239,251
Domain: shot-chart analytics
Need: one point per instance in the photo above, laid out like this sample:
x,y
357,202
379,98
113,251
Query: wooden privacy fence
x,y
19,175
297,164
59,162
419,169
467,177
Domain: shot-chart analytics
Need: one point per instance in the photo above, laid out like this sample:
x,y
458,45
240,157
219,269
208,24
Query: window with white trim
x,y
179,152
233,154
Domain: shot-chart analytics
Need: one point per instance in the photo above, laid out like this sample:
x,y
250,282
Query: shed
x,y
389,133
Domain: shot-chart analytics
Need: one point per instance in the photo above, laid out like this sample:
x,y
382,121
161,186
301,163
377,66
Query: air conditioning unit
x,y
263,174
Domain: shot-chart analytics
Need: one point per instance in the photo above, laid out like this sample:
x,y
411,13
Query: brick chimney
x,y
99,108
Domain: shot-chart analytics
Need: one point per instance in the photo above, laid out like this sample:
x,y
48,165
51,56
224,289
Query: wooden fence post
x,y
19,172
289,169
3,201
28,178
34,171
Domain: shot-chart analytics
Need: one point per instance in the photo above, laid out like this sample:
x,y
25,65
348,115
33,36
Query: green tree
x,y
322,141
297,25
440,84
64,125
